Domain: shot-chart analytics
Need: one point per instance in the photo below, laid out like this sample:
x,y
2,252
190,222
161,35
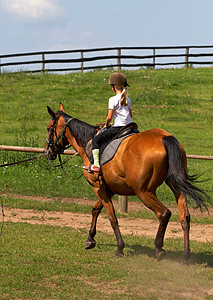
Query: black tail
x,y
177,178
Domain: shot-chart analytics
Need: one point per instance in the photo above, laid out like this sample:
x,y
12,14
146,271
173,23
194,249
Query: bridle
x,y
53,144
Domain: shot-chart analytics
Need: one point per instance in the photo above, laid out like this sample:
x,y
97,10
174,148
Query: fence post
x,y
43,63
119,59
186,57
82,61
153,58
122,204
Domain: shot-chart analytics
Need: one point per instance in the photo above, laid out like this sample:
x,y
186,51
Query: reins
x,y
44,154
3,215
51,144
22,161
62,163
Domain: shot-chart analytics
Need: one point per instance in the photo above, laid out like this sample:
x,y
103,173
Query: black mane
x,y
82,131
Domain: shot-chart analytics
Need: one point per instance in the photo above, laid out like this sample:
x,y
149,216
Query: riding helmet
x,y
119,79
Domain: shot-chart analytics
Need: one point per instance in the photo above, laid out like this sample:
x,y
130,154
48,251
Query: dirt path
x,y
140,227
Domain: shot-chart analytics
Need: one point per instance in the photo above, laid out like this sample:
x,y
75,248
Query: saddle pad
x,y
111,149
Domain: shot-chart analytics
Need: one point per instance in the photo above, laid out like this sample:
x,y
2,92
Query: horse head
x,y
63,130
56,142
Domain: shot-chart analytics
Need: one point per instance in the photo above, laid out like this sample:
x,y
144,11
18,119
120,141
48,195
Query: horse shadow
x,y
196,258
177,256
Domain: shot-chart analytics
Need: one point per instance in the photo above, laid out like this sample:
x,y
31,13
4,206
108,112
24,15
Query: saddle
x,y
125,131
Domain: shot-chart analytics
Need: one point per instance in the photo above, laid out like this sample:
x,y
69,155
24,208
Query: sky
x,y
41,25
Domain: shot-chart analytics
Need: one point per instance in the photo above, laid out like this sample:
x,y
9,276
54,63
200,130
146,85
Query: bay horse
x,y
141,164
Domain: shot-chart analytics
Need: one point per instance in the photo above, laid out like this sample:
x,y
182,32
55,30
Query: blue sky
x,y
37,25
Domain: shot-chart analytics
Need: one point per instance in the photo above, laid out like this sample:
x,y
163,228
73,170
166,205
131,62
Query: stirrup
x,y
86,168
91,168
95,168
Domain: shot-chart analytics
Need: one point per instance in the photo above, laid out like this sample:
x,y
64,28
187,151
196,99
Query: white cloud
x,y
32,9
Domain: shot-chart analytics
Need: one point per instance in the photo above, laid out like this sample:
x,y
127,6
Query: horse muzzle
x,y
50,155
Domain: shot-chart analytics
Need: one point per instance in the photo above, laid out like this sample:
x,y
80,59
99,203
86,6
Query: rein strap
x,y
22,161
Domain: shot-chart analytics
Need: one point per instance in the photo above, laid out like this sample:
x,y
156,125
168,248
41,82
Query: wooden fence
x,y
119,57
71,152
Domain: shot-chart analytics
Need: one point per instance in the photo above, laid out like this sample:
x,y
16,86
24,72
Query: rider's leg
x,y
97,141
95,153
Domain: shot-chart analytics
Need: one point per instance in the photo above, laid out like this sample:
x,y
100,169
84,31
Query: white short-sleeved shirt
x,y
121,115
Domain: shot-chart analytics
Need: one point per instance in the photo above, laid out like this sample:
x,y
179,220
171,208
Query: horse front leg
x,y
105,199
91,243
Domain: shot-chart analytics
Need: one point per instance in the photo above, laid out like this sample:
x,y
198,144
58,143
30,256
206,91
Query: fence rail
x,y
114,57
71,152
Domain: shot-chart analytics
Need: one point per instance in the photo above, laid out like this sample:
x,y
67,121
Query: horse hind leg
x,y
185,224
91,243
163,214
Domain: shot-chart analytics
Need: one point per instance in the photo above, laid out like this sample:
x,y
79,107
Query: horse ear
x,y
51,112
61,107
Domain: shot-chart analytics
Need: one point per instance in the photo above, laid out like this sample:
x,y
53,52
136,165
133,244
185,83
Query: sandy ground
x,y
140,227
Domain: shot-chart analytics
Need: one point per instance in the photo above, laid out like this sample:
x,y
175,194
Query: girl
x,y
119,109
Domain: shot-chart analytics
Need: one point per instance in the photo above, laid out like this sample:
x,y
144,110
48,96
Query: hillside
x,y
179,101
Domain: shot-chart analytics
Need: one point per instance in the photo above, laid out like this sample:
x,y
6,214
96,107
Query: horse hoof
x,y
119,253
90,244
160,254
186,257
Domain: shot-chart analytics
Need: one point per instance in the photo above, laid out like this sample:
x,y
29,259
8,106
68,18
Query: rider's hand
x,y
108,126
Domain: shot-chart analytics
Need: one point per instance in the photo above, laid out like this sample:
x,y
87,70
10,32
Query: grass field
x,y
178,101
49,262
45,262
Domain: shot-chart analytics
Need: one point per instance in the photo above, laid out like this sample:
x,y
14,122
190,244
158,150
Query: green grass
x,y
55,205
179,101
44,262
